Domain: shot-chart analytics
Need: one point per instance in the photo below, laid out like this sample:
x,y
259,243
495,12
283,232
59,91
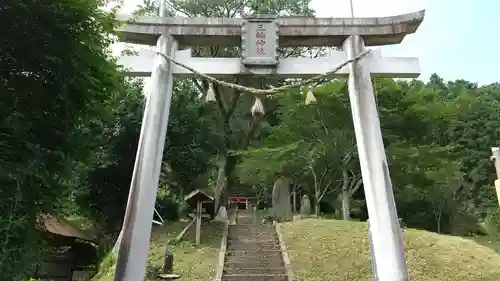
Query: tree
x,y
317,151
437,137
187,157
58,84
111,178
235,125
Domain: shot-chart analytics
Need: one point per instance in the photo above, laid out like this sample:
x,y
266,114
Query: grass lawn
x,y
193,263
333,250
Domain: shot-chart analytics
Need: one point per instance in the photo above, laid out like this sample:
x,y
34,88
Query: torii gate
x,y
260,37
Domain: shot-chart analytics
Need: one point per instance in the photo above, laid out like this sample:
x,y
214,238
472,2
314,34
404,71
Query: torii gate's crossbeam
x,y
293,31
140,65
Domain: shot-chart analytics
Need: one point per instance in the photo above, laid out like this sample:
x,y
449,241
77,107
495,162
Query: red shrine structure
x,y
242,201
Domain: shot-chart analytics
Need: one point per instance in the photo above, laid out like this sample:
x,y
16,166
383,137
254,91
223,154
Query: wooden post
x,y
198,222
294,198
235,219
254,214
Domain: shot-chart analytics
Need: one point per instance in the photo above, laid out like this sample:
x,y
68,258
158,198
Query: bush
x,y
491,223
168,208
465,224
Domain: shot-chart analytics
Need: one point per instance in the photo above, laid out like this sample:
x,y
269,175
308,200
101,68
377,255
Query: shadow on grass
x,y
330,250
488,241
193,262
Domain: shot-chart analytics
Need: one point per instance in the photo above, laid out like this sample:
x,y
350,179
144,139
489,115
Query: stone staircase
x,y
253,252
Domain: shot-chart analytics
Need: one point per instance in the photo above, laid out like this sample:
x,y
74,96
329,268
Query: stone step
x,y
251,227
252,247
246,224
252,239
250,233
235,234
261,277
255,271
268,253
253,262
253,253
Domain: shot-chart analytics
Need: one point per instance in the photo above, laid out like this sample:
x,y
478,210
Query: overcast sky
x,y
459,39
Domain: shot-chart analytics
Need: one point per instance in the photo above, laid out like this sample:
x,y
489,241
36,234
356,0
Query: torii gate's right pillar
x,y
495,158
388,248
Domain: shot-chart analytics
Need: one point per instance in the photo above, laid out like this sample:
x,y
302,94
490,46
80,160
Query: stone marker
x,y
305,206
282,209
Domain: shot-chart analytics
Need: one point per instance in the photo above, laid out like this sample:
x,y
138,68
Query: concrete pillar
x,y
372,255
388,249
495,157
133,249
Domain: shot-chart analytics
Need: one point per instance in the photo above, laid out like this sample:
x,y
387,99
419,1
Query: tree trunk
x,y
346,213
438,216
230,165
219,187
317,192
317,195
345,196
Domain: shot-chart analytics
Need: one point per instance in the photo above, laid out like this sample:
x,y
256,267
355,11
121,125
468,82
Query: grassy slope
x,y
191,262
331,250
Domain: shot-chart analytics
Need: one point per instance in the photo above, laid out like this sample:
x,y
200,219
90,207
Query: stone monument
x,y
305,206
282,208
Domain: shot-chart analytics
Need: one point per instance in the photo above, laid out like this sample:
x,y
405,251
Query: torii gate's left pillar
x,y
136,231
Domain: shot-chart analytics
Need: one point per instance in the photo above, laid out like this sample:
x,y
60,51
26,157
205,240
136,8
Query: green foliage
x,y
437,136
492,222
186,157
292,145
58,81
111,176
168,208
